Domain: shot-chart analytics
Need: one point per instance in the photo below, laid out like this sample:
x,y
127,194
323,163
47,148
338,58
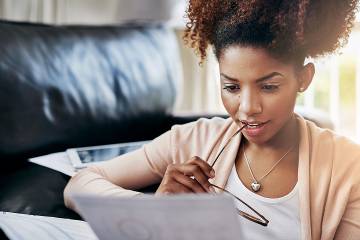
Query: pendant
x,y
255,186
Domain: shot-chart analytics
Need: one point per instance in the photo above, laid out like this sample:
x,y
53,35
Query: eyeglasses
x,y
259,219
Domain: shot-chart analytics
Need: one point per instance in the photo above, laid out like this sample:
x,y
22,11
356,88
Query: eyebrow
x,y
261,79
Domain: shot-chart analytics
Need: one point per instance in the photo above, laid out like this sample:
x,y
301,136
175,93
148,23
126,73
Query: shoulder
x,y
332,141
342,152
203,126
192,138
199,137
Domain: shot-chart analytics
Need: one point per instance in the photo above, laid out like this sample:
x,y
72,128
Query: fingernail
x,y
212,173
212,189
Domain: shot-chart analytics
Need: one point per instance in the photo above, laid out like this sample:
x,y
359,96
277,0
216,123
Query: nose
x,y
250,104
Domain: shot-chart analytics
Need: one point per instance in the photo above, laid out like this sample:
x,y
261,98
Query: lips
x,y
254,129
253,124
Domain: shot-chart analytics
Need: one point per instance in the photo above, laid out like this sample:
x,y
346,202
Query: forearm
x,y
134,170
90,181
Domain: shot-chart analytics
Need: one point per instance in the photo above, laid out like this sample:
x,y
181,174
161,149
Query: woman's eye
x,y
231,88
270,87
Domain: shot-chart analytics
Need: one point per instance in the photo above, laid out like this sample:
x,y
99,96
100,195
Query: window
x,y
336,88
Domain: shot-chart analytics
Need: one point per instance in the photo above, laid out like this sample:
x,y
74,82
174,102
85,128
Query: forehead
x,y
248,62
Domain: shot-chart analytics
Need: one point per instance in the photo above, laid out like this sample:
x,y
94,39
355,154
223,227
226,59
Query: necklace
x,y
255,185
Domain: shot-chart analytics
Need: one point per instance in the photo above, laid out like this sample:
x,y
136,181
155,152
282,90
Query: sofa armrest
x,y
36,190
32,189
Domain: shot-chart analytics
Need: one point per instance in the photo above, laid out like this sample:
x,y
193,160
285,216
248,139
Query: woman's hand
x,y
189,177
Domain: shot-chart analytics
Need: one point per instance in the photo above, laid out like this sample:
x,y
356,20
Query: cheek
x,y
230,103
282,105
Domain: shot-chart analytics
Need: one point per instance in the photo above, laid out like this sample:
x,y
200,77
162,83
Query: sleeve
x,y
134,170
349,227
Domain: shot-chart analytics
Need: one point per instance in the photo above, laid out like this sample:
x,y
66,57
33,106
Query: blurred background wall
x,y
335,90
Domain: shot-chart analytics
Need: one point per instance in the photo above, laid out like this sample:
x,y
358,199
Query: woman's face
x,y
259,90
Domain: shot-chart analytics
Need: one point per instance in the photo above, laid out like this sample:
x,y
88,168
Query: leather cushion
x,y
66,86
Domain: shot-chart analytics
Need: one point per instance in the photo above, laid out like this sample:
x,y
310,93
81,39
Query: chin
x,y
271,132
257,140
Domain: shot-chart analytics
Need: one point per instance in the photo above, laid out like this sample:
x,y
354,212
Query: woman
x,y
304,179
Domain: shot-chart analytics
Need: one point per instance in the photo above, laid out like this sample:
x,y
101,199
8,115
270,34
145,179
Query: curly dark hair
x,y
290,30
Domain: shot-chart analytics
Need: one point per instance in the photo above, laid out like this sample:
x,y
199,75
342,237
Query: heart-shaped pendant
x,y
255,186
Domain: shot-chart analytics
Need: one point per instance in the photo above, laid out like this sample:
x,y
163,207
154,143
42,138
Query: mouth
x,y
253,125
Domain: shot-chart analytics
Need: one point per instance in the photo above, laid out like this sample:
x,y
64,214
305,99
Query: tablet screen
x,y
103,154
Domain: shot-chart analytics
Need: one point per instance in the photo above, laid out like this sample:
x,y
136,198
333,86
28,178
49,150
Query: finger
x,y
190,170
189,183
174,188
171,186
207,169
197,173
202,179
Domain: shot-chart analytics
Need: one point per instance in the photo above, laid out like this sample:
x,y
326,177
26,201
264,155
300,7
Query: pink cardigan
x,y
328,174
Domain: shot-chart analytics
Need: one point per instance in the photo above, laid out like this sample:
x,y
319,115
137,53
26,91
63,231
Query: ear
x,y
305,76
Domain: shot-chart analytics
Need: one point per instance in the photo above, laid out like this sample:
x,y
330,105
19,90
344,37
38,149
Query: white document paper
x,y
185,217
22,226
57,161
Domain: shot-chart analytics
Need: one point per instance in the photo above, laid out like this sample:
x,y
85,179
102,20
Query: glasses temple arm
x,y
212,165
265,221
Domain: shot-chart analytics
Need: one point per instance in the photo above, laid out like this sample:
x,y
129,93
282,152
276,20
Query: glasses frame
x,y
259,219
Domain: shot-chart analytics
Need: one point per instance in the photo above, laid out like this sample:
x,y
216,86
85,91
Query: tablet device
x,y
85,156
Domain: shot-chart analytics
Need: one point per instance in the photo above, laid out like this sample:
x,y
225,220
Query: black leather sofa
x,y
73,86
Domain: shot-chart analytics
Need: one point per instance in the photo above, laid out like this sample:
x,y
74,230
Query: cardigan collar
x,y
226,160
303,178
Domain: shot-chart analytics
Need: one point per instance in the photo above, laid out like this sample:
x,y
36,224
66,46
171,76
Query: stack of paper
x,y
56,161
22,226
178,217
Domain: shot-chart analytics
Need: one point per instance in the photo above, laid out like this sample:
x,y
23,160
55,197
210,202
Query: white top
x,y
282,213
